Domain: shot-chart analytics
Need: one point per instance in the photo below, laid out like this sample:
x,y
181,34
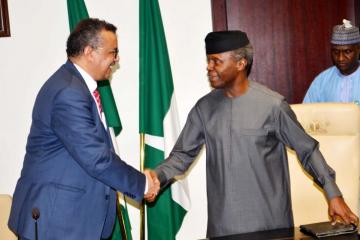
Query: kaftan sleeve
x,y
291,133
315,93
312,94
187,147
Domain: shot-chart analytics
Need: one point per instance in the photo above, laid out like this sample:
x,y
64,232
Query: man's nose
x,y
117,58
341,56
210,66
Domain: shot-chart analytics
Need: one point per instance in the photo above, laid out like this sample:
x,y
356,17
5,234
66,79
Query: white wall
x,y
36,48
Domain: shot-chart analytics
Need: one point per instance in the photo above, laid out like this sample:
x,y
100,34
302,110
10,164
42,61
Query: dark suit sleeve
x,y
73,122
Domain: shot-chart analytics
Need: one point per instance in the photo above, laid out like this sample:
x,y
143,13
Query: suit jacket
x,y
70,171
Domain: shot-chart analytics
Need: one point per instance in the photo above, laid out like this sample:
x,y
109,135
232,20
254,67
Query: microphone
x,y
36,215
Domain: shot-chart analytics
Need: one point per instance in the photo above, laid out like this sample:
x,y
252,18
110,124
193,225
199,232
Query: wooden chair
x,y
5,205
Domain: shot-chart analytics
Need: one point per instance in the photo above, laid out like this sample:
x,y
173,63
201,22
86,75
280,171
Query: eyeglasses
x,y
114,52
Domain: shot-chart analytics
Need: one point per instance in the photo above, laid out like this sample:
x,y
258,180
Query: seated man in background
x,y
245,128
339,83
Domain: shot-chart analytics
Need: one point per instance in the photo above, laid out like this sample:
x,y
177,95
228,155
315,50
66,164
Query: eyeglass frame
x,y
114,52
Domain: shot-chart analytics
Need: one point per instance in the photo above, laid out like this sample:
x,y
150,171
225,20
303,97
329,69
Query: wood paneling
x,y
219,14
291,38
357,12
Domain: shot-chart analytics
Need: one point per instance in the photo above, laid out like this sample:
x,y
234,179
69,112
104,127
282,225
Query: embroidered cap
x,y
345,34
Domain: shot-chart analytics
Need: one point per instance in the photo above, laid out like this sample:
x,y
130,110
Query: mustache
x,y
212,74
114,66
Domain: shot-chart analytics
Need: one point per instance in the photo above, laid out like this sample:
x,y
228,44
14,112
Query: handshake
x,y
153,185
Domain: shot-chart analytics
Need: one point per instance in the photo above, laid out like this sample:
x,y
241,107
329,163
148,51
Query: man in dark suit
x,y
70,171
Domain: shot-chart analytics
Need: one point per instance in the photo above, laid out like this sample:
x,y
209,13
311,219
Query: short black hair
x,y
85,34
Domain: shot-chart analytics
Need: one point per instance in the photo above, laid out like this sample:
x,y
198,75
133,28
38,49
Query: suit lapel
x,y
99,125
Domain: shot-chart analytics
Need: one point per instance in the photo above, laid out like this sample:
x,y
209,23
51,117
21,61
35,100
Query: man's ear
x,y
88,51
241,64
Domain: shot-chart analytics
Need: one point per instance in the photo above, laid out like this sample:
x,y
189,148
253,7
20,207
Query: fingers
x,y
346,219
150,197
340,212
349,217
154,177
154,185
354,219
332,216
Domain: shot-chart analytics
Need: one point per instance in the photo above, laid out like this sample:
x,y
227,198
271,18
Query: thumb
x,y
332,216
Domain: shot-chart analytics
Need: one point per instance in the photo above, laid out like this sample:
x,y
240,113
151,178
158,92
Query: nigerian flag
x,y
159,122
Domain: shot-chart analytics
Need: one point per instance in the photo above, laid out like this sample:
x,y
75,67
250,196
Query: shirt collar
x,y
347,76
89,81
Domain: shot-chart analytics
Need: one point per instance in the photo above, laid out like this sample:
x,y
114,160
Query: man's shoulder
x,y
62,78
209,102
263,93
211,98
61,84
257,92
326,73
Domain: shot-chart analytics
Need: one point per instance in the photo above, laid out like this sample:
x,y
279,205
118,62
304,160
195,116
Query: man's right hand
x,y
154,185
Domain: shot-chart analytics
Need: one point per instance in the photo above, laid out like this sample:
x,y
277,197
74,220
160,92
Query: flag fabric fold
x,y
109,106
77,11
159,121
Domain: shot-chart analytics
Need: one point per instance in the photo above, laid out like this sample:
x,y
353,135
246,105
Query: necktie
x,y
98,100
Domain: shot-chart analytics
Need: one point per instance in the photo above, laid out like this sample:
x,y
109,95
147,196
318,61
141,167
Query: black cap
x,y
223,41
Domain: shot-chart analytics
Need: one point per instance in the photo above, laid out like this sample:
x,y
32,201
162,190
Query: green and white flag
x,y
159,122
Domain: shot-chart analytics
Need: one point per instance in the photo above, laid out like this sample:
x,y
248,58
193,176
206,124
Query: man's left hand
x,y
339,211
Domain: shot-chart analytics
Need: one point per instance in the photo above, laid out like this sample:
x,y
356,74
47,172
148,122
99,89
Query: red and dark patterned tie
x,y
98,100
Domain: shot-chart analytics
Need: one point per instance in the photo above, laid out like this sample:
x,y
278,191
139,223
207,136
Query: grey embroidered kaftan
x,y
248,186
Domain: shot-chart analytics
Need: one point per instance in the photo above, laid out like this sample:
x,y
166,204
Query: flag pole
x,y
142,207
121,218
118,207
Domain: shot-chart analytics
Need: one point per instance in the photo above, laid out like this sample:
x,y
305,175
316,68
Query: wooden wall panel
x,y
290,37
219,15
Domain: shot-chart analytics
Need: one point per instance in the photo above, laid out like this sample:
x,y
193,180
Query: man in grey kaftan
x,y
245,133
247,170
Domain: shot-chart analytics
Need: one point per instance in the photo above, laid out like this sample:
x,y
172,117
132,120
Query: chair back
x,y
5,206
336,126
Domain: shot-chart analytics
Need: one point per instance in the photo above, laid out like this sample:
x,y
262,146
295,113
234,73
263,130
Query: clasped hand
x,y
153,187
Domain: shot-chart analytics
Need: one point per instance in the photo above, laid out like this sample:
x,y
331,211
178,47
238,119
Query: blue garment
x,y
332,86
70,171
